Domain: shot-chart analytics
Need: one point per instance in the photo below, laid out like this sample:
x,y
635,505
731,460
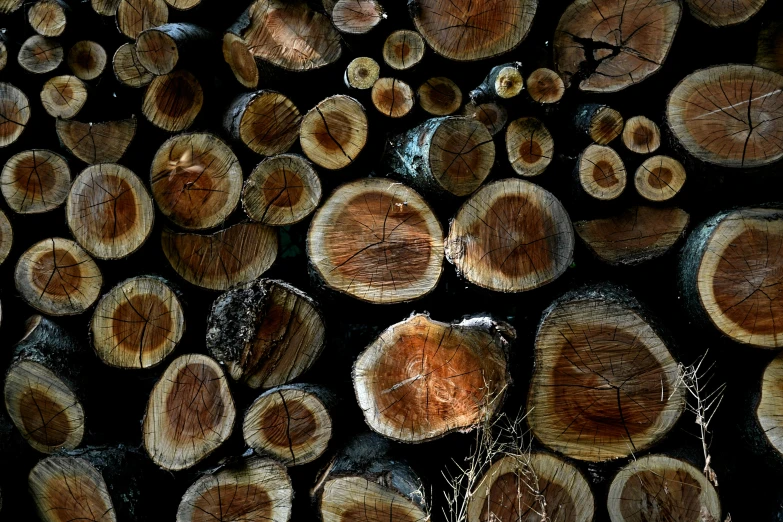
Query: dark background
x,y
749,470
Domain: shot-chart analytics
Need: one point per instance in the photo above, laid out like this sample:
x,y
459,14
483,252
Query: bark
x,y
160,49
40,55
502,83
92,143
135,16
334,132
35,181
641,135
440,96
128,69
48,17
530,146
659,178
63,96
361,73
392,97
403,49
601,173
173,101
86,59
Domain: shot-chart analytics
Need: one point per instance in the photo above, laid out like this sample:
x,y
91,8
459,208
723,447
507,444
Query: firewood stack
x,y
374,260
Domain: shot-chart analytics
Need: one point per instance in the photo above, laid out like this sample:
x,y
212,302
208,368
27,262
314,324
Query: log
x,y
357,16
769,53
729,271
604,384
48,17
656,486
606,46
190,413
10,6
14,113
138,323
530,486
252,490
768,409
266,332
449,155
723,13
40,55
453,378
160,49
403,49
439,96
109,211
601,172
6,237
530,146
42,388
466,31
536,245
598,123
636,235
57,277
104,142
173,101
392,97
35,181
641,135
742,128
196,180
492,115
334,132
266,121
281,190
135,16
3,59
240,60
63,96
128,69
545,86
659,178
183,5
377,241
361,73
235,255
86,59
105,7
502,83
291,424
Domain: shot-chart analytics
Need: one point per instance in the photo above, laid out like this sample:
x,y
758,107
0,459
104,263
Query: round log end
x,y
362,73
641,135
35,181
14,113
659,178
157,51
392,97
440,96
86,59
545,86
403,49
240,60
334,132
493,115
47,18
173,101
530,146
461,154
601,172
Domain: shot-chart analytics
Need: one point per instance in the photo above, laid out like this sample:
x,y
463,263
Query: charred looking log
x,y
361,73
86,59
722,13
377,241
63,96
545,86
40,55
96,142
266,121
530,487
14,113
530,146
731,271
290,423
48,17
403,49
440,96
659,178
334,132
173,101
511,236
35,181
641,135
128,68
604,384
160,49
266,332
493,115
392,97
601,173
135,16
190,413
453,377
502,83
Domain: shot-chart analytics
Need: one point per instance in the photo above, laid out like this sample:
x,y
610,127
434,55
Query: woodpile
x,y
375,260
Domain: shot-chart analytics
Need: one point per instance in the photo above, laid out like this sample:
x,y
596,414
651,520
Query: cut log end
x,y
768,409
14,113
128,68
493,115
530,146
105,7
357,16
604,124
722,13
6,238
508,83
92,143
173,101
601,172
86,59
461,154
392,97
135,16
440,96
545,86
536,245
240,60
334,132
35,181
190,413
40,55
63,96
362,73
659,178
266,121
356,498
47,17
641,135
403,49
157,51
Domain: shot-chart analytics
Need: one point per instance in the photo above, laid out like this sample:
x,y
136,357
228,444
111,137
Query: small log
x,y
742,128
57,277
86,59
530,146
466,31
190,413
361,73
535,248
48,17
502,83
128,69
608,46
35,181
449,155
68,488
240,60
377,241
723,13
334,132
14,113
659,178
492,115
281,190
454,377
601,172
635,235
266,121
545,86
173,101
92,143
641,135
290,423
604,385
768,409
392,97
598,123
530,486
42,392
3,55
183,5
135,16
105,7
654,485
40,55
159,49
440,96
769,53
137,324
266,332
109,211
196,180
357,16
6,237
252,490
729,269
63,96
403,49
235,255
